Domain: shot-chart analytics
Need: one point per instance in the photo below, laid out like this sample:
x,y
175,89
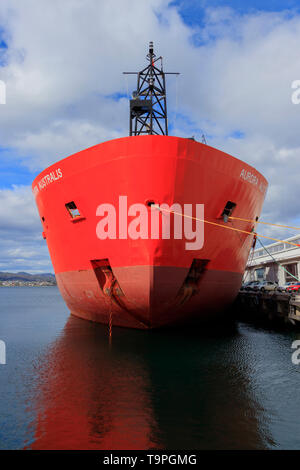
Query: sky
x,y
62,64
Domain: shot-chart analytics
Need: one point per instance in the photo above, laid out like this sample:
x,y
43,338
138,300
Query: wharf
x,y
272,306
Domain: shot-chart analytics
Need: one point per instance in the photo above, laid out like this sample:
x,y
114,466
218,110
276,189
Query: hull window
x,y
228,210
72,209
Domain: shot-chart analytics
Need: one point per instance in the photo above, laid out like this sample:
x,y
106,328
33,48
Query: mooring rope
x,y
237,230
110,315
277,262
224,226
264,223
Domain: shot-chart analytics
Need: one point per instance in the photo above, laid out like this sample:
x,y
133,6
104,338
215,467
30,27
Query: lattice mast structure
x,y
148,106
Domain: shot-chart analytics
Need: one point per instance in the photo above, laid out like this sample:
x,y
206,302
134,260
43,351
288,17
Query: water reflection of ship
x,y
148,390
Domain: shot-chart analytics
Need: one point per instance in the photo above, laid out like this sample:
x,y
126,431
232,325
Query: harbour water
x,y
65,387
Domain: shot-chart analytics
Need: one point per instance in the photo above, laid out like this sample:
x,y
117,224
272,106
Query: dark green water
x,y
65,387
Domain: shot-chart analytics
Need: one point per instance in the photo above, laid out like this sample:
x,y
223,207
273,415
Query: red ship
x,y
97,209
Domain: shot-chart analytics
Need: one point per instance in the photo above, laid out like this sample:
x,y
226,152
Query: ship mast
x,y
148,106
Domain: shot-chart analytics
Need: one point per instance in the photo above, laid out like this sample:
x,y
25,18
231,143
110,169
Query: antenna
x,y
148,106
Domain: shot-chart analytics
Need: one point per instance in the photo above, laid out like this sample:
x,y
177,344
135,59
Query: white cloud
x,y
65,59
62,138
21,244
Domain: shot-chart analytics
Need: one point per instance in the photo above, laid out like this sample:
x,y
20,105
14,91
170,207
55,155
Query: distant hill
x,y
22,276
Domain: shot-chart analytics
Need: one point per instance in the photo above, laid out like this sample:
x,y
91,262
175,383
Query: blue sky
x,y
12,171
193,11
66,92
13,167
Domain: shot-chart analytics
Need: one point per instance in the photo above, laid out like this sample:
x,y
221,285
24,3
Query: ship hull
x,y
154,293
145,281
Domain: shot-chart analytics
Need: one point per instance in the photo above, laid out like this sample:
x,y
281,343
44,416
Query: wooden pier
x,y
272,306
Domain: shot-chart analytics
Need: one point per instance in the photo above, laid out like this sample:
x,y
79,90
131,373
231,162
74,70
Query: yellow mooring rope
x,y
110,316
224,226
265,223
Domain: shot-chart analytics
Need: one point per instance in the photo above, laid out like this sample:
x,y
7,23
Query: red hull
x,y
147,283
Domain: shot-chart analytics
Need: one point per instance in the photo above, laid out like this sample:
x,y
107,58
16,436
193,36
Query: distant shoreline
x,y
27,284
23,279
